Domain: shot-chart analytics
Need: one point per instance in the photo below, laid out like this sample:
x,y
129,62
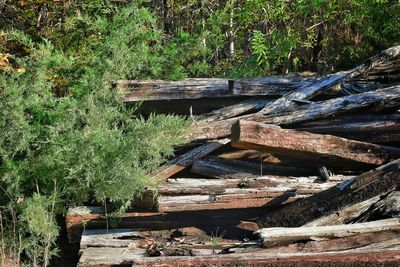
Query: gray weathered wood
x,y
176,165
282,235
387,206
249,105
320,86
200,194
217,167
379,256
267,183
140,90
363,122
253,135
363,187
345,215
385,240
382,98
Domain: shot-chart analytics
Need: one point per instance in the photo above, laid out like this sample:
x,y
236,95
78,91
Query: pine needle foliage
x,y
65,135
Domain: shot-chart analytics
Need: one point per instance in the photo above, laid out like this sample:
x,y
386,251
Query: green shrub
x,y
65,135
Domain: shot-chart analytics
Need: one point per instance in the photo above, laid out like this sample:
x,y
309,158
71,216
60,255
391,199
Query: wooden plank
x,y
346,215
368,128
237,198
176,165
382,98
389,239
95,217
221,168
387,206
364,123
111,238
279,236
253,135
107,257
140,90
363,187
326,83
246,106
194,88
382,206
273,184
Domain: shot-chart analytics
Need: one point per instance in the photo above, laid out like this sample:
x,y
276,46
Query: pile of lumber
x,y
298,172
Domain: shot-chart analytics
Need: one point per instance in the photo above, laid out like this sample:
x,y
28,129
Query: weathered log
x,y
253,135
383,98
176,165
139,90
272,184
388,206
308,91
346,215
388,239
369,128
217,167
95,217
365,186
246,106
236,199
107,257
166,239
359,123
282,235
251,154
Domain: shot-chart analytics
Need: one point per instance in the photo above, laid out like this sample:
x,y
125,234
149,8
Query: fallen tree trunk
x,y
282,236
365,186
217,167
176,165
253,135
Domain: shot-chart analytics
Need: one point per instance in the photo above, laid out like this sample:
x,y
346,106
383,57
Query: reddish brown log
x,y
252,135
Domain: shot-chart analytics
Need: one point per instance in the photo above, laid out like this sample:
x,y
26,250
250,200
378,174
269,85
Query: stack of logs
x,y
298,172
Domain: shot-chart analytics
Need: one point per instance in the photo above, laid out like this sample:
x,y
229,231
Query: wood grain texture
x,y
361,188
176,165
310,90
253,135
278,236
193,88
382,98
221,168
